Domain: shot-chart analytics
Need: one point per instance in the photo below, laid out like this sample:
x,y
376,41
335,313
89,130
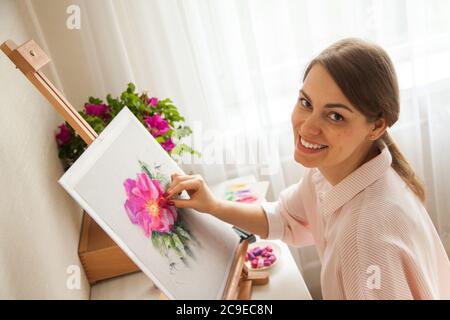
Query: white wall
x,y
39,222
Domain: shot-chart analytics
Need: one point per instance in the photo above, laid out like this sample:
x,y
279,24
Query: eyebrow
x,y
328,105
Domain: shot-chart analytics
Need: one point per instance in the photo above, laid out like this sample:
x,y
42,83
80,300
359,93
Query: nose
x,y
311,126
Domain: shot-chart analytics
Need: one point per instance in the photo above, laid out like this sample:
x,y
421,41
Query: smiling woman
x,y
331,133
360,81
359,202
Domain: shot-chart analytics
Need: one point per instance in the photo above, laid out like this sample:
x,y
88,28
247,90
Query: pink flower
x,y
64,135
157,125
152,101
146,205
98,110
168,145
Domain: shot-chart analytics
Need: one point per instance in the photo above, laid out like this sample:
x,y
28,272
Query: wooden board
x,y
100,256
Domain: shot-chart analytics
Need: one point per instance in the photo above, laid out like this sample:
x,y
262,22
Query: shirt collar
x,y
357,181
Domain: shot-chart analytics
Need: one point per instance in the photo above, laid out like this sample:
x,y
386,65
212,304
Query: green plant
x,y
160,117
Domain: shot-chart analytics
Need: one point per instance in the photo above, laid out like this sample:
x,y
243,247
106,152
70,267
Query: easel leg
x,y
250,279
245,290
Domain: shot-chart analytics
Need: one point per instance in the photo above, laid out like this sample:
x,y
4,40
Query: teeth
x,y
311,145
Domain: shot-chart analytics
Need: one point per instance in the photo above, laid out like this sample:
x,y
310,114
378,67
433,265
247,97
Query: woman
x,y
360,202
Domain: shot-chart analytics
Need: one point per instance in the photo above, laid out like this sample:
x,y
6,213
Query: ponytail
x,y
403,168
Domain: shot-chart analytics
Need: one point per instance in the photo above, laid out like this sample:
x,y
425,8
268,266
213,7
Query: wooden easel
x,y
30,58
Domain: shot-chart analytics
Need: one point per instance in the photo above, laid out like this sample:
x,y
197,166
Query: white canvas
x,y
96,182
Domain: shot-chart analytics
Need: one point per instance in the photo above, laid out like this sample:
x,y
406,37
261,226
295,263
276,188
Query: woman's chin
x,y
307,163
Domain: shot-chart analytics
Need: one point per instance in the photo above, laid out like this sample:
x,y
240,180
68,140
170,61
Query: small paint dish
x,y
262,255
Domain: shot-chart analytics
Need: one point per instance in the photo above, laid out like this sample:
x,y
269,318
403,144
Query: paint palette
x,y
240,192
246,192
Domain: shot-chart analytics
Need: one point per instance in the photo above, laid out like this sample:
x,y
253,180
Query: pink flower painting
x,y
147,207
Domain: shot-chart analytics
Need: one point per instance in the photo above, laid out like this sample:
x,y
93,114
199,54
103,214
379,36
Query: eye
x,y
336,116
305,103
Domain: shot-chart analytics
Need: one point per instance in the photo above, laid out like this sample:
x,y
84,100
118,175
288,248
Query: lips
x,y
307,142
308,146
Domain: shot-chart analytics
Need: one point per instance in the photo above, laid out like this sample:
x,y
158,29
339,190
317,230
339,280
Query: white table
x,y
286,282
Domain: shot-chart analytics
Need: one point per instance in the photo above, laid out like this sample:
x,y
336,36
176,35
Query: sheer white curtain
x,y
235,67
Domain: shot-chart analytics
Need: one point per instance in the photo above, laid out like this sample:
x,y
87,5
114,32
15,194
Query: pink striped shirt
x,y
374,237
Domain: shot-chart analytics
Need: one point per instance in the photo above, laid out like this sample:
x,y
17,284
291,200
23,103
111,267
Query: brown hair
x,y
365,74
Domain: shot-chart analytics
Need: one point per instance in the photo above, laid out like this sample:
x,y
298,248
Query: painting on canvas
x,y
120,181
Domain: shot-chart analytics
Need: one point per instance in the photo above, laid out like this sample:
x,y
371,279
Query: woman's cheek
x,y
339,138
345,133
296,120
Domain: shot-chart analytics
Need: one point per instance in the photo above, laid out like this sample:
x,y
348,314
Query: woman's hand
x,y
201,197
250,217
